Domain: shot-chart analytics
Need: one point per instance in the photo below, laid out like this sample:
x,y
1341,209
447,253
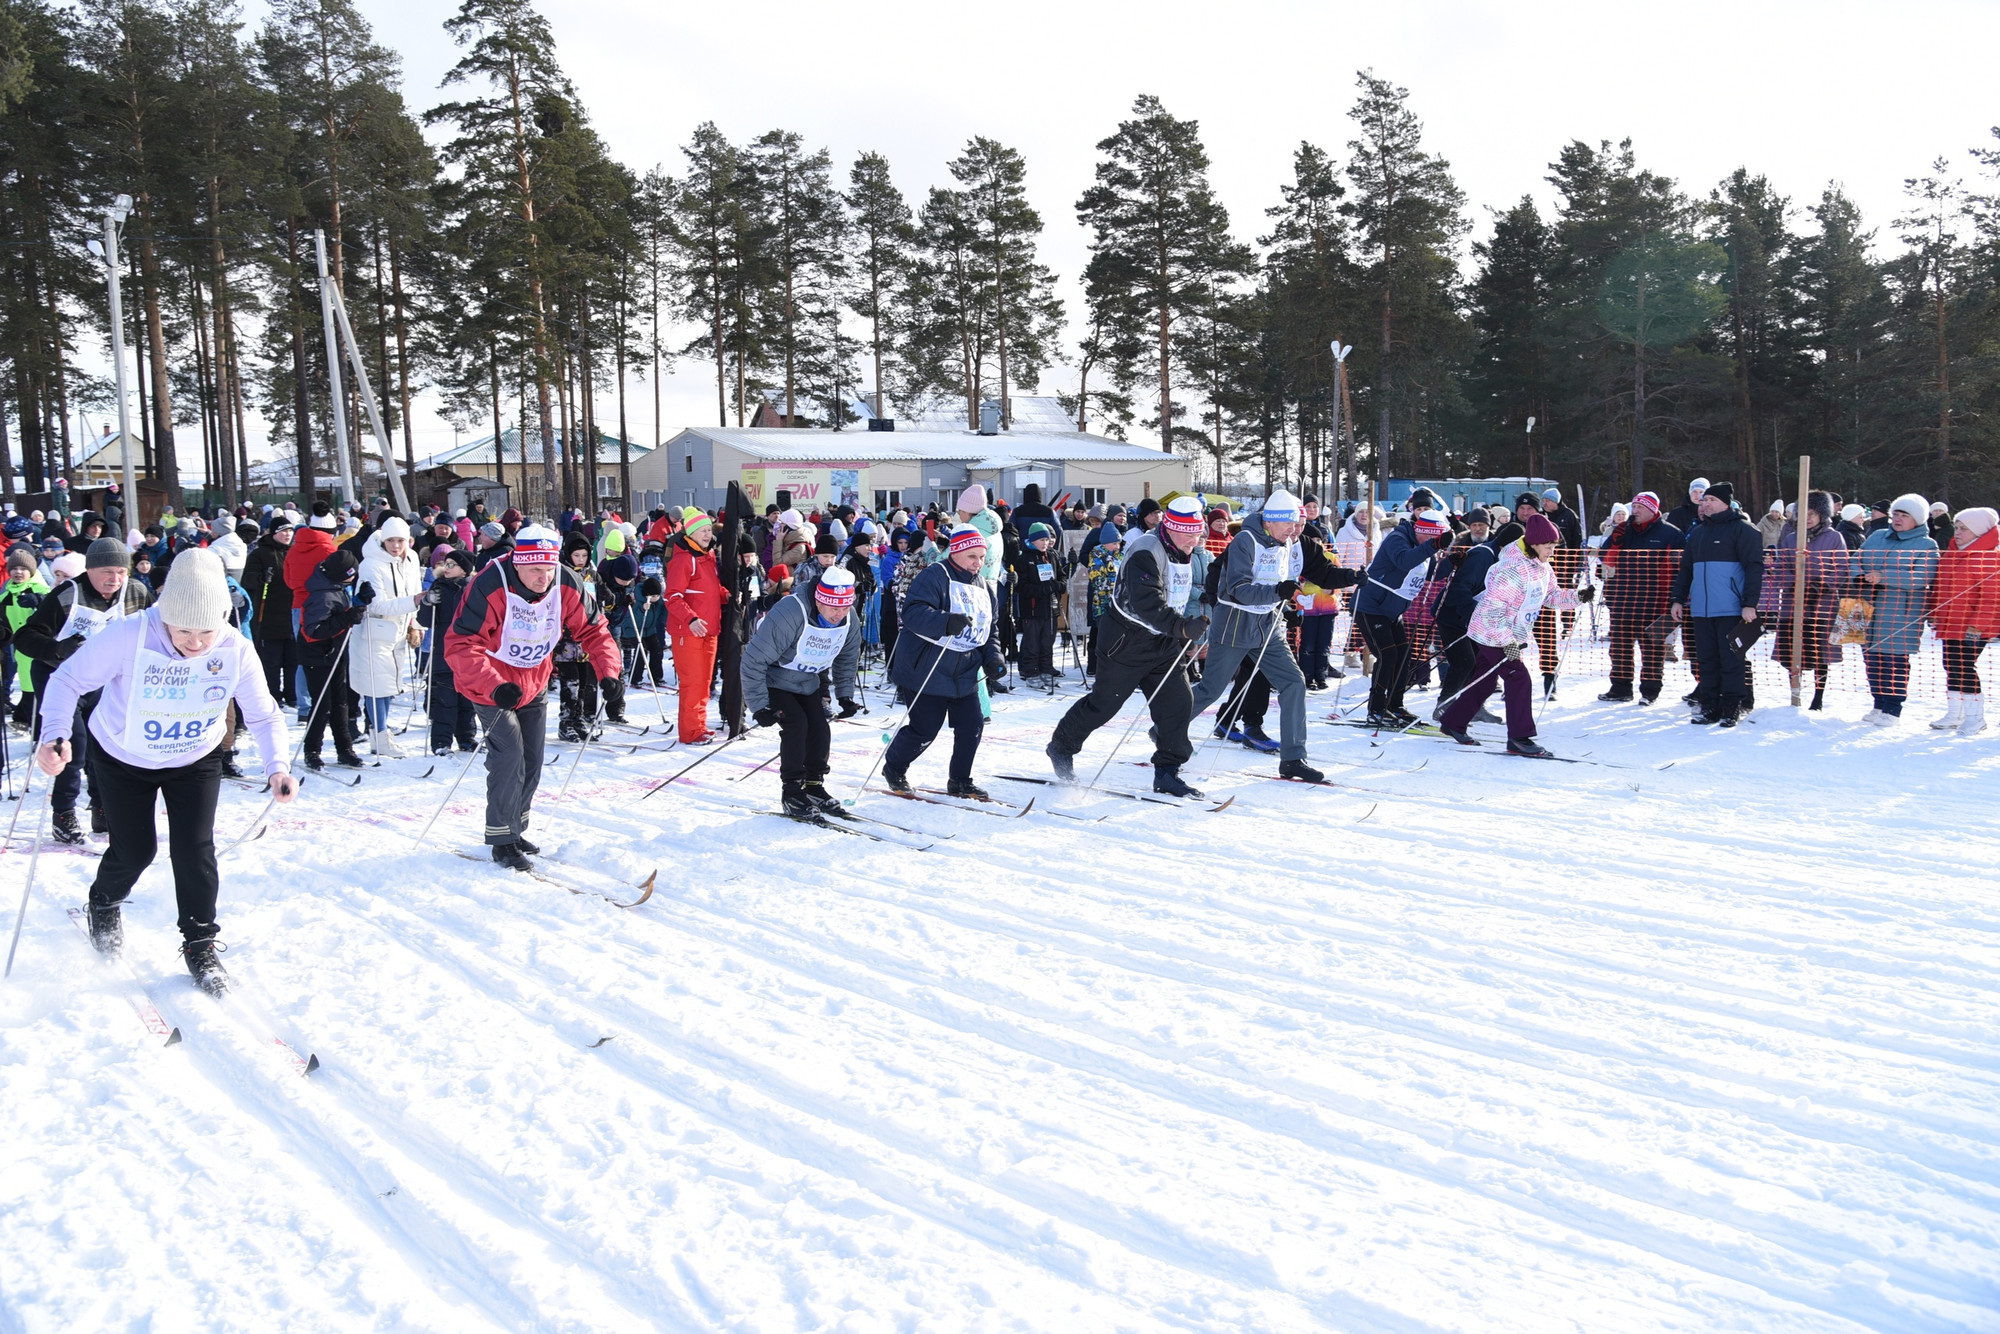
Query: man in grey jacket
x,y
808,638
1261,570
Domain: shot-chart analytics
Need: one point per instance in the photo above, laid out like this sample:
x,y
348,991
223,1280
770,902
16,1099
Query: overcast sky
x,y
1805,93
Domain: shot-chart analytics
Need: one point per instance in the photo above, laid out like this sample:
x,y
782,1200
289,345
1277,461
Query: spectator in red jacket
x,y
695,595
500,649
1966,614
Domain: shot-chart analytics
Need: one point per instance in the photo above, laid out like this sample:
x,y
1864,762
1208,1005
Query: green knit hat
x,y
693,518
614,542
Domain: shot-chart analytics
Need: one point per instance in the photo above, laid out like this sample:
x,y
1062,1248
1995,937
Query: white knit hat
x,y
1980,520
1853,513
1913,505
1281,506
393,527
197,593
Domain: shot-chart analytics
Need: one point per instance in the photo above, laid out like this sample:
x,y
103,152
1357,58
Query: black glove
x,y
607,683
849,707
1287,587
1191,627
506,695
1586,593
623,603
956,623
765,716
365,594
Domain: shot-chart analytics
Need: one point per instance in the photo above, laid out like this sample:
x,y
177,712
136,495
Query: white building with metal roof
x,y
911,463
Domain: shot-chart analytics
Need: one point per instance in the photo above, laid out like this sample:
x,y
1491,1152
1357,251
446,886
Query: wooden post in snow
x,y
1800,537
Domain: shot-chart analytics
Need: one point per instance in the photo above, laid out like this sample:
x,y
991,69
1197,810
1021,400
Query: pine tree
x,y
1933,271
884,242
1512,375
1409,213
1845,314
724,265
1026,315
1160,249
803,218
1758,331
1310,298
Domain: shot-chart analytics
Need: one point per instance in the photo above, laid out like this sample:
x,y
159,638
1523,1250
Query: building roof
x,y
480,451
809,445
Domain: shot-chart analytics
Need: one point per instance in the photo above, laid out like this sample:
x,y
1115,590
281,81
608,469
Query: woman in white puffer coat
x,y
377,651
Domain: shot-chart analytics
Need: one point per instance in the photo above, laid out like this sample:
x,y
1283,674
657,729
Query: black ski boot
x,y
1528,748
822,799
1462,738
965,787
1617,695
796,804
510,856
107,929
230,768
1061,761
1167,781
1300,771
347,759
313,761
98,824
897,780
205,968
65,829
524,845
1818,700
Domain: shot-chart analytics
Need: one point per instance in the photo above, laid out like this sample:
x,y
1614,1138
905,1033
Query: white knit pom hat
x,y
197,593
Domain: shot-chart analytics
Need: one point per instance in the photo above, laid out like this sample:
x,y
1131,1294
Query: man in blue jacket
x,y
1402,565
946,642
1720,577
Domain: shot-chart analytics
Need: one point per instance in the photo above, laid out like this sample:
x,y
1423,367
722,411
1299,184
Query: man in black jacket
x,y
1720,578
1685,517
1640,559
271,611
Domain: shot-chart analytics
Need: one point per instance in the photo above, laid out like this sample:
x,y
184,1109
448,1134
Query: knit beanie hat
x,y
535,545
1108,535
1281,506
1528,498
393,526
835,588
1698,484
1853,513
67,566
693,518
1038,531
1980,520
622,567
1649,499
1431,523
614,542
197,593
1183,515
1538,530
964,537
322,517
1722,491
972,499
1913,505
108,553
454,556
826,544
492,532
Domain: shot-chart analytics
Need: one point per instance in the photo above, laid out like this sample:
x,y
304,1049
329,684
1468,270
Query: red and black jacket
x,y
474,635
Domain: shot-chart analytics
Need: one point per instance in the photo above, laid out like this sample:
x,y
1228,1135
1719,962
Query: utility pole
x,y
333,385
1339,373
1531,450
114,216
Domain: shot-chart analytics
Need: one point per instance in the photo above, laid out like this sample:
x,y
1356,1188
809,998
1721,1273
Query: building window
x,y
948,500
606,486
888,500
1093,495
690,463
687,497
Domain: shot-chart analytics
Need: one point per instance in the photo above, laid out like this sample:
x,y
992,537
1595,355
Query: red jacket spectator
x,y
471,646
309,547
694,588
1968,586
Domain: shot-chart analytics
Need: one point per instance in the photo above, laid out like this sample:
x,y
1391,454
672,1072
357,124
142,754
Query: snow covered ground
x,y
1471,1043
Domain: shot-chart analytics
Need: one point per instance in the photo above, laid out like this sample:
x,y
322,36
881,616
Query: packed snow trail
x,y
1534,1047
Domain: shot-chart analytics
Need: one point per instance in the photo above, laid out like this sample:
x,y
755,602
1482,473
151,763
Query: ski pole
x,y
584,744
447,797
251,829
347,637
1148,709
1242,693
34,737
698,763
28,888
760,768
887,738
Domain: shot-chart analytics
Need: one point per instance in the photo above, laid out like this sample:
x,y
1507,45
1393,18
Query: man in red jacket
x,y
694,618
500,648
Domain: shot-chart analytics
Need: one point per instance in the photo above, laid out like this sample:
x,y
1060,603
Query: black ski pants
x,y
451,715
927,715
128,794
805,736
1131,659
514,742
1390,643
327,681
1038,645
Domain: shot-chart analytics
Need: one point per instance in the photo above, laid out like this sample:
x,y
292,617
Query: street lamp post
x,y
1339,372
114,215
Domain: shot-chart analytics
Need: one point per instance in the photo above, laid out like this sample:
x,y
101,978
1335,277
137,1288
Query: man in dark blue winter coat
x,y
944,647
1402,565
1715,590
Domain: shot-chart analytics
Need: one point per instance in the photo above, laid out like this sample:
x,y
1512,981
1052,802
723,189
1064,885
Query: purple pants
x,y
1491,668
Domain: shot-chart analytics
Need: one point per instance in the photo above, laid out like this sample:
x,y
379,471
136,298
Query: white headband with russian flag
x,y
535,545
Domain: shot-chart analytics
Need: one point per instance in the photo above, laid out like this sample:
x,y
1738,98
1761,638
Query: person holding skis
x,y
165,678
1156,616
67,618
1520,585
1257,576
499,647
945,645
807,639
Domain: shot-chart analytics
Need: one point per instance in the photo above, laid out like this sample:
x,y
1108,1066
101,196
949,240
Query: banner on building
x,y
819,488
